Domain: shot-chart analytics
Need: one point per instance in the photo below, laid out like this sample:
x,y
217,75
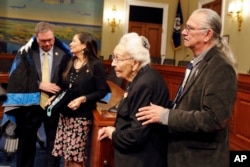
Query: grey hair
x,y
137,47
213,21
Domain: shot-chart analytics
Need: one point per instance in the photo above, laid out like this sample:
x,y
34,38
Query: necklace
x,y
72,78
125,95
78,65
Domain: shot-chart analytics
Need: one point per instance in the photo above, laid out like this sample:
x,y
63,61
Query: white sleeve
x,y
164,116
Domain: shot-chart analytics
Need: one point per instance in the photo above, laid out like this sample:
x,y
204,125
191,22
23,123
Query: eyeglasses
x,y
46,40
188,28
117,60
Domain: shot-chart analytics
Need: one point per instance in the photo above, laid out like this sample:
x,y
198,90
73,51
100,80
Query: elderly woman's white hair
x,y
137,47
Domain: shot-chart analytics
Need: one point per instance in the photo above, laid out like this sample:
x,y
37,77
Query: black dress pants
x,y
28,121
50,127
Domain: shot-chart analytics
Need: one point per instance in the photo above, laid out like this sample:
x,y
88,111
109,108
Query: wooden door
x,y
152,32
215,5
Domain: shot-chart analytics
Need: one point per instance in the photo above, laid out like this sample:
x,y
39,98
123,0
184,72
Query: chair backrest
x,y
183,63
155,60
169,62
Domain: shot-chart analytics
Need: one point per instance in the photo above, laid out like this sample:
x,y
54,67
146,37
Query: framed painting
x,y
19,17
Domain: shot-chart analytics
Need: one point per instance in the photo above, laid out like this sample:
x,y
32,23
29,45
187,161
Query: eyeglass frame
x,y
51,40
117,60
188,28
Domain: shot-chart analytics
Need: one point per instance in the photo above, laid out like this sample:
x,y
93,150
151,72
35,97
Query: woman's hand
x,y
75,104
105,132
101,134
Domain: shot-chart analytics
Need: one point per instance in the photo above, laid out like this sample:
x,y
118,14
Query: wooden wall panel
x,y
240,124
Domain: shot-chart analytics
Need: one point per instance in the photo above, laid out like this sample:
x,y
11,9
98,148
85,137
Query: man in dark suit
x,y
26,83
198,122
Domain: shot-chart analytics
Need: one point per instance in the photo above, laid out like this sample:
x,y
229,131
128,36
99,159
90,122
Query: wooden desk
x,y
102,154
102,151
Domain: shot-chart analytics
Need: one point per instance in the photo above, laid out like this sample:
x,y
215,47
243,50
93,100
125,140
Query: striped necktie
x,y
181,88
45,78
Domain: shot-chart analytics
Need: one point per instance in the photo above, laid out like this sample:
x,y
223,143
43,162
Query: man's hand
x,y
49,87
50,100
150,114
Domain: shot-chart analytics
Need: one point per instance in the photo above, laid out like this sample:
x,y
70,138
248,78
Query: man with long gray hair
x,y
198,119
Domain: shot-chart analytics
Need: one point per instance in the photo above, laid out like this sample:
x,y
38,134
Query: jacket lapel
x,y
56,60
198,70
196,74
37,61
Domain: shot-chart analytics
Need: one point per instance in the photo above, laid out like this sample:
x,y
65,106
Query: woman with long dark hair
x,y
85,76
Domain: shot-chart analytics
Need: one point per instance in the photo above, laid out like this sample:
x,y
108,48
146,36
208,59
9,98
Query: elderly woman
x,y
136,145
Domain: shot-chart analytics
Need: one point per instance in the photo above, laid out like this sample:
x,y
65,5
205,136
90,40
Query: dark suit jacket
x,y
25,75
198,125
90,82
136,145
60,60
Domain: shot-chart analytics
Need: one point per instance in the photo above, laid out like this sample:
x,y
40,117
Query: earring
x,y
133,72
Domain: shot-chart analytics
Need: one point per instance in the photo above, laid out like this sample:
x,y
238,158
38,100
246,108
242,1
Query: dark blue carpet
x,y
10,160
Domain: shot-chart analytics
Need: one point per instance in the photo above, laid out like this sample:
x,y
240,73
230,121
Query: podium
x,y
102,153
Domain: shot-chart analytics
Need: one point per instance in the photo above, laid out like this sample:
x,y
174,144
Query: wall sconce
x,y
235,11
113,20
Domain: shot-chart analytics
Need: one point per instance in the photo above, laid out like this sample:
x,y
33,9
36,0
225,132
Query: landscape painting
x,y
68,17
